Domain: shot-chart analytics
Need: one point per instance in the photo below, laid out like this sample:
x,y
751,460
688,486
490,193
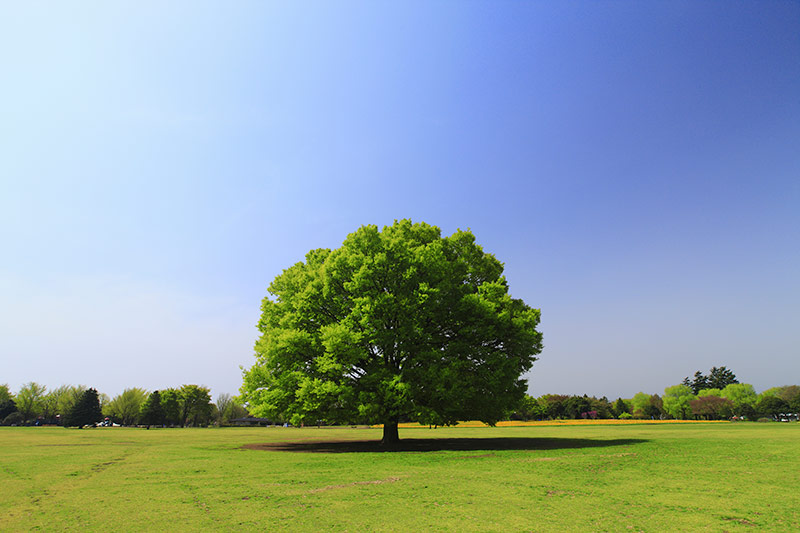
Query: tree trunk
x,y
391,437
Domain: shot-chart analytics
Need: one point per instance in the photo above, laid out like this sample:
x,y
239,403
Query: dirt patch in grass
x,y
551,493
743,521
437,445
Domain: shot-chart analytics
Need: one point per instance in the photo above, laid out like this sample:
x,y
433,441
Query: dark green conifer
x,y
86,411
152,412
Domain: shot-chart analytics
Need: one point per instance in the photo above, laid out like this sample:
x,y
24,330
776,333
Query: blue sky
x,y
635,165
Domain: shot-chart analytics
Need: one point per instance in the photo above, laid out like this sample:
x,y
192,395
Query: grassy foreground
x,y
636,477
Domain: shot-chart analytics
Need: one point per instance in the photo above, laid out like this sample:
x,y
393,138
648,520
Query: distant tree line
x,y
738,401
716,396
68,405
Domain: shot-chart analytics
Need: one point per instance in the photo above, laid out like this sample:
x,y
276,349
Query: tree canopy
x,y
86,410
7,407
152,413
126,407
395,324
771,406
676,400
29,400
195,404
740,394
5,393
711,407
717,378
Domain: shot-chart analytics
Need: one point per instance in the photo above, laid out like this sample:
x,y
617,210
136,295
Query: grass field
x,y
633,477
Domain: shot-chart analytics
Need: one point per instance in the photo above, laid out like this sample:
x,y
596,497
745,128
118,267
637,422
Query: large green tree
x,y
395,324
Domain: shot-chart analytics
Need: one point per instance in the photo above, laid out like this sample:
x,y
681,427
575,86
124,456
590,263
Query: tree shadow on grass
x,y
439,445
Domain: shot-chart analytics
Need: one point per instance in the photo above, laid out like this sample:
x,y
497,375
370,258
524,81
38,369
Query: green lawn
x,y
693,477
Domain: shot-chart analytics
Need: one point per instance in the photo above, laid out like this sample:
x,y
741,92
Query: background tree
x,y
5,393
398,323
29,400
601,406
195,405
743,397
787,393
7,407
576,406
794,405
640,402
697,384
86,410
709,392
719,378
711,407
69,395
48,405
60,400
529,408
13,419
171,401
102,397
554,405
224,401
771,406
655,407
126,407
228,408
237,410
676,401
152,414
620,407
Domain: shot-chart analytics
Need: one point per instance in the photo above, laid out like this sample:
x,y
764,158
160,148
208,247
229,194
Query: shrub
x,y
14,419
7,407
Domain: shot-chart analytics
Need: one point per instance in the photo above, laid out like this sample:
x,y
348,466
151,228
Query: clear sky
x,y
635,165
